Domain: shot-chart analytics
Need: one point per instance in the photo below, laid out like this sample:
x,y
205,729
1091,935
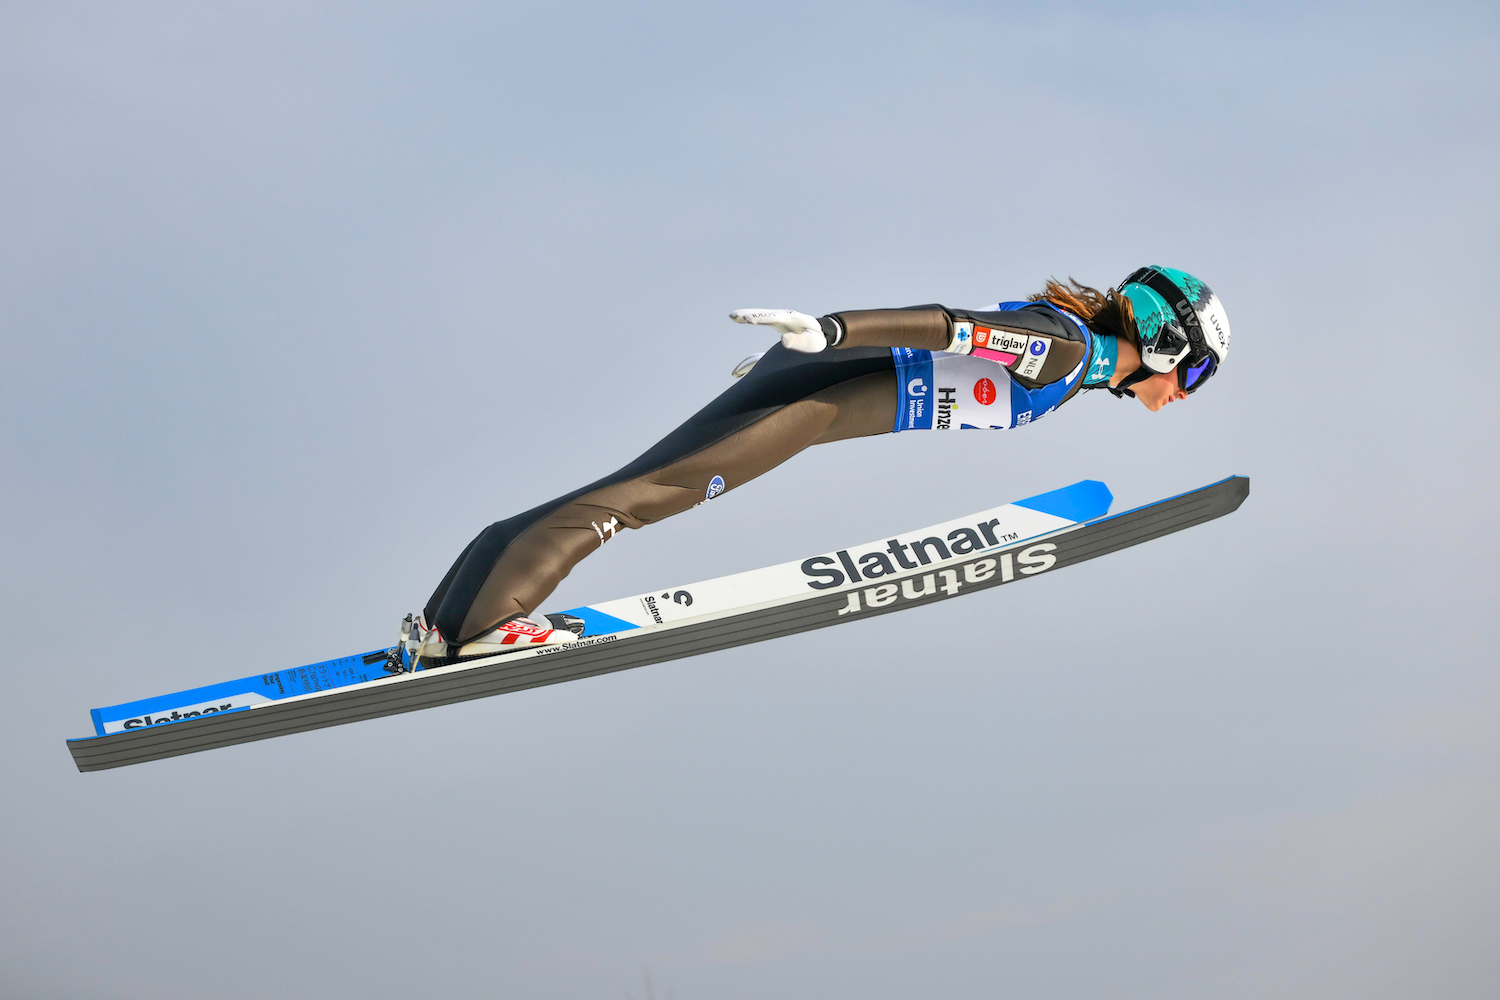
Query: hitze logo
x,y
899,556
1030,560
947,403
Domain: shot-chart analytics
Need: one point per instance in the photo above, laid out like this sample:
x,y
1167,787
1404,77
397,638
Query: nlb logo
x,y
1028,562
1035,356
984,392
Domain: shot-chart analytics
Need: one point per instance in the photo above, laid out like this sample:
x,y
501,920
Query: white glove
x,y
799,331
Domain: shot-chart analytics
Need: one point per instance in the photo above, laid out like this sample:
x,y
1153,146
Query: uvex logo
x,y
898,555
1219,334
1034,559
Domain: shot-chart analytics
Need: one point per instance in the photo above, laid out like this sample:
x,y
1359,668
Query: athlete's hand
x,y
799,331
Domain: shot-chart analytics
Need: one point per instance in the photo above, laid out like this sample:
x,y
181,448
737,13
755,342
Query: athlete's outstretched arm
x,y
929,328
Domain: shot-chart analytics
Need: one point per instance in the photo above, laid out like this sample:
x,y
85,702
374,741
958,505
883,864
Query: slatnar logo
x,y
845,566
1031,560
176,716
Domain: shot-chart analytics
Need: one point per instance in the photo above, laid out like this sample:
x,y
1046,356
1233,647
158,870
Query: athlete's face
x,y
1154,392
1159,390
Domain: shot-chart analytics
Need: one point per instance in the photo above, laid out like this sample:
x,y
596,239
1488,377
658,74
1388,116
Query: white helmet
x,y
1181,323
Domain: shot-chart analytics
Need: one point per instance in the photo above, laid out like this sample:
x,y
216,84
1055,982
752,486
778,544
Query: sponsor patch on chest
x,y
1000,340
1034,357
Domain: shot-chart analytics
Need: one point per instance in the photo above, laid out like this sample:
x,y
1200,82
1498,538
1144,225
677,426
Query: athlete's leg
x,y
787,402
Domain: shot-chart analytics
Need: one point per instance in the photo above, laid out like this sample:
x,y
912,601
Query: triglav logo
x,y
1010,343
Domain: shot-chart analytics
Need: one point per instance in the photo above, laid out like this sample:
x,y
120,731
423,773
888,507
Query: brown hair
x,y
1108,312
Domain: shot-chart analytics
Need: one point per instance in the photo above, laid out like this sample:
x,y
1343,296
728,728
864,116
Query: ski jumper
x,y
887,370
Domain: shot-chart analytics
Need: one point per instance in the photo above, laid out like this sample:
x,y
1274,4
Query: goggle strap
x,y
1123,389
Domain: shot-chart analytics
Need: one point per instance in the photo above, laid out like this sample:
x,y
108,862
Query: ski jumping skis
x,y
987,549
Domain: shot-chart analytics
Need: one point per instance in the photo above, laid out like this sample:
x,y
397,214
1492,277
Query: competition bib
x,y
941,391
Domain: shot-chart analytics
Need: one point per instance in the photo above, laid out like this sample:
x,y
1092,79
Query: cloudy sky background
x,y
296,298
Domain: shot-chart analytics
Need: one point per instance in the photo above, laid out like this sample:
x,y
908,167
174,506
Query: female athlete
x,y
1158,337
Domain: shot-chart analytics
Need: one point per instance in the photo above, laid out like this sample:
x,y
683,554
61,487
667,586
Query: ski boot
x,y
428,646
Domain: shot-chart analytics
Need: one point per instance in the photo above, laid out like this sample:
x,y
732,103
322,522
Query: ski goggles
x,y
1192,373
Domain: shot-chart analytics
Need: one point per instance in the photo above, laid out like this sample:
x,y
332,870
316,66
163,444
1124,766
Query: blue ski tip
x,y
1082,501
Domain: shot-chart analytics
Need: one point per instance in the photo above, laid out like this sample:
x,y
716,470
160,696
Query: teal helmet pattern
x,y
1180,322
